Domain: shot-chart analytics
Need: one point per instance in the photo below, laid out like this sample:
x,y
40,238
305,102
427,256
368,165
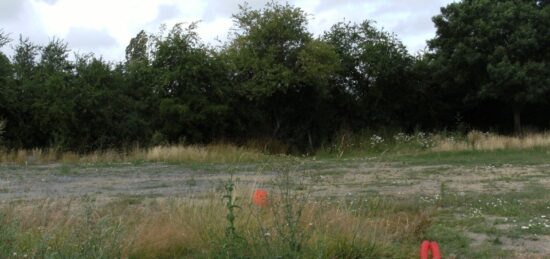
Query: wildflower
x,y
376,140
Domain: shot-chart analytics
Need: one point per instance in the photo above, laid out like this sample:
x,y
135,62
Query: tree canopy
x,y
495,50
273,79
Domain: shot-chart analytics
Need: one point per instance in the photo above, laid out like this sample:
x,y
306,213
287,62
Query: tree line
x,y
487,68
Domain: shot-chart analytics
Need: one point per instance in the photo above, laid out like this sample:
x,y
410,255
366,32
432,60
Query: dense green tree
x,y
189,86
137,50
140,79
19,97
281,72
5,82
375,76
494,50
53,104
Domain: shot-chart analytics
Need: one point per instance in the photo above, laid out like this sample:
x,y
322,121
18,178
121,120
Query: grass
x,y
454,147
294,225
495,221
180,228
215,153
480,141
348,144
506,214
531,156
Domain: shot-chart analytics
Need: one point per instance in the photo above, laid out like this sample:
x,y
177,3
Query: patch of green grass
x,y
489,216
531,156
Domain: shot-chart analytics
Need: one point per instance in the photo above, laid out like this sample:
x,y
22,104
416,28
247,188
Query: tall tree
x,y
375,75
281,72
5,83
139,82
20,97
495,50
189,86
137,50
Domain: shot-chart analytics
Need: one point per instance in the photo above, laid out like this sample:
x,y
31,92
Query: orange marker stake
x,y
259,198
435,250
428,246
424,249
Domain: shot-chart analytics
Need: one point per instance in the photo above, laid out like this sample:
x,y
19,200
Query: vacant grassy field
x,y
379,200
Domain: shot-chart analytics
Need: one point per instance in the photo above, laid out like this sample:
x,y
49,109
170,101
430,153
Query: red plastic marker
x,y
259,198
428,246
424,248
435,250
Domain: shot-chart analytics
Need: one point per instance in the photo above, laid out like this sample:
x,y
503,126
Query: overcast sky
x,y
106,26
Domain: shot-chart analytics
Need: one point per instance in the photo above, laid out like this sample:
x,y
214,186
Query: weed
x,y
233,240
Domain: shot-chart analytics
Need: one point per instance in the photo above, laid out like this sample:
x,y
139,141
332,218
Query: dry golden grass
x,y
215,153
476,140
212,153
168,227
254,151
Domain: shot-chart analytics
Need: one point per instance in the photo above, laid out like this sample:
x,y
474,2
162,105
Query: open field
x,y
477,204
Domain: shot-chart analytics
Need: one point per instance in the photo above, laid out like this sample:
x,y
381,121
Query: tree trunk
x,y
517,121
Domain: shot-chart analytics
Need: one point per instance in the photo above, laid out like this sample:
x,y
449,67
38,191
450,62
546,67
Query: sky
x,y
105,27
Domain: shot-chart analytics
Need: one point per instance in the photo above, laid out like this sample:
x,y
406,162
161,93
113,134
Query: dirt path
x,y
321,178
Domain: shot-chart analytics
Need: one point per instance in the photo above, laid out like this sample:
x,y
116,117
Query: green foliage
x,y
376,66
494,50
284,74
274,80
190,86
234,242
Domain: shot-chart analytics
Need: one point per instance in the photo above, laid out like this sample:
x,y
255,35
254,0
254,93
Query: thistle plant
x,y
232,238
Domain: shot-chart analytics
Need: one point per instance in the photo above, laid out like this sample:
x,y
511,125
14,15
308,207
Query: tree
x,y
5,82
495,50
19,96
53,106
281,74
189,86
375,82
139,85
137,50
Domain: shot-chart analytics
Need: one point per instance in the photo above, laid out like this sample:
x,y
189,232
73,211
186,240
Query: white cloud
x,y
106,26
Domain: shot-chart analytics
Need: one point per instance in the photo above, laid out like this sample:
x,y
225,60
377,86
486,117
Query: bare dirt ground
x,y
321,178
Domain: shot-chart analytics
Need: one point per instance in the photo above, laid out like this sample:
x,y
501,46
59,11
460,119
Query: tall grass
x,y
176,228
215,153
345,144
476,140
375,143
